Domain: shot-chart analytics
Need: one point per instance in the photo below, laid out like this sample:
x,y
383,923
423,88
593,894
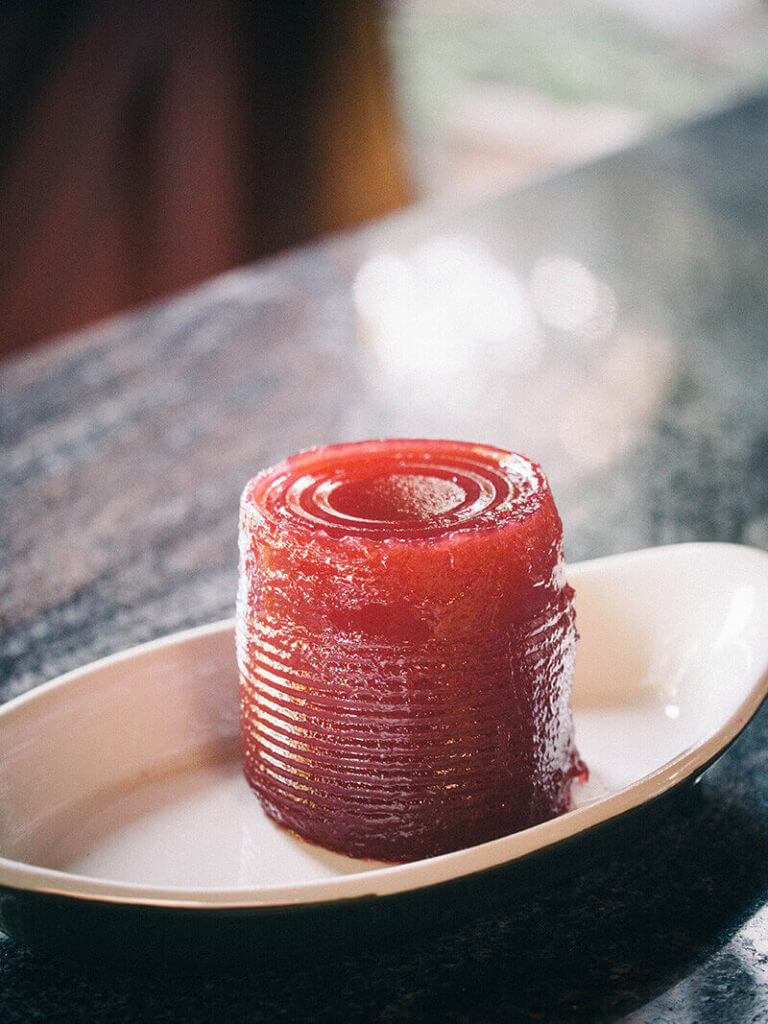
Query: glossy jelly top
x,y
398,489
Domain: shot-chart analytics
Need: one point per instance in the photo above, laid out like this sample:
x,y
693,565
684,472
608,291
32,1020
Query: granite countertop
x,y
612,322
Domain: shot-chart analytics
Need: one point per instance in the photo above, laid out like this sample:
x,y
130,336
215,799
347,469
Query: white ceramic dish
x,y
120,782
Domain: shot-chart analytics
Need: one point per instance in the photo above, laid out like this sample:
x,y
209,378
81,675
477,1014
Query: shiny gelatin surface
x,y
406,644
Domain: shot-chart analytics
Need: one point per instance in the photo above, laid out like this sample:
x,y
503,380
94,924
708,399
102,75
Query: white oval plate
x,y
120,782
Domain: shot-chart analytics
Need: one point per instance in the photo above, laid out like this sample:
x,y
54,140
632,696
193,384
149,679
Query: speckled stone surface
x,y
613,324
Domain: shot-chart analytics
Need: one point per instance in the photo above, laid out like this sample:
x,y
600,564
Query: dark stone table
x,y
613,323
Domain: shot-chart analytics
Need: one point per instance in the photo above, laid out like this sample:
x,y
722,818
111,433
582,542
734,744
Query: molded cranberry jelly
x,y
406,643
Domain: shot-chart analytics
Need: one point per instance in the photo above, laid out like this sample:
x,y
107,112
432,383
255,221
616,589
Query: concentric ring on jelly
x,y
402,492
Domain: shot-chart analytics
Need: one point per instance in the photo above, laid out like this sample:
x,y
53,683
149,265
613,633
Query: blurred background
x,y
146,146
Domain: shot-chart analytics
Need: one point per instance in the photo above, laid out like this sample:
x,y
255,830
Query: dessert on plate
x,y
406,640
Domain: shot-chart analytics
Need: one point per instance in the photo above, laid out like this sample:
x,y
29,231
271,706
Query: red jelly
x,y
406,643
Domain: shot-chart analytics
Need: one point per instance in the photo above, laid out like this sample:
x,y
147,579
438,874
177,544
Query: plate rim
x,y
21,877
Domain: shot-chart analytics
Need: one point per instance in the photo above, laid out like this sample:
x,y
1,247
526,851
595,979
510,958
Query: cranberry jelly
x,y
406,642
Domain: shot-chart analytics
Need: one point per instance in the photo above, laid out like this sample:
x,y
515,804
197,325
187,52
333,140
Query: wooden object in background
x,y
148,146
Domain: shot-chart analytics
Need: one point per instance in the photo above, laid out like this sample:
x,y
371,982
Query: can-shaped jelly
x,y
405,641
